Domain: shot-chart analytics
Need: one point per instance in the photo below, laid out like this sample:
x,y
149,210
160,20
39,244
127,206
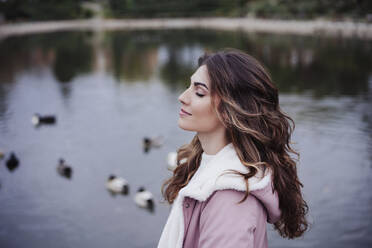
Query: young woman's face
x,y
197,113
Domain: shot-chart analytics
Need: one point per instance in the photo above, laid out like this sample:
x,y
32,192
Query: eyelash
x,y
199,95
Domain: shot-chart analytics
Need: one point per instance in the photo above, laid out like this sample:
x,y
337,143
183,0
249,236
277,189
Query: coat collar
x,y
210,175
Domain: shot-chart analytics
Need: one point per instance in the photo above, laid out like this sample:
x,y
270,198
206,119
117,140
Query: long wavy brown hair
x,y
259,131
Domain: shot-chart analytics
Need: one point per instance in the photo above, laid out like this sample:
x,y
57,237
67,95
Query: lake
x,y
109,90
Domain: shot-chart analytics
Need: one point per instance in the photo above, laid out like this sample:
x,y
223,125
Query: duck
x,y
1,154
117,185
144,199
172,161
37,119
12,162
154,142
63,169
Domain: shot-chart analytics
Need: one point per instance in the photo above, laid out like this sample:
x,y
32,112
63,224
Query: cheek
x,y
205,113
205,118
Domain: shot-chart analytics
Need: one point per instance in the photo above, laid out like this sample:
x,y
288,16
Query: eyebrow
x,y
201,84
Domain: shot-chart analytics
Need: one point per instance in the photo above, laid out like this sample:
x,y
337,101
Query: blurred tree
x,y
172,8
285,9
309,8
42,9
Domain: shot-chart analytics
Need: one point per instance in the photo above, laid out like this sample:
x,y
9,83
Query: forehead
x,y
201,75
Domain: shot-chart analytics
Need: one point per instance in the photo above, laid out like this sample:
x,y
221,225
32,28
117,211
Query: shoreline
x,y
344,29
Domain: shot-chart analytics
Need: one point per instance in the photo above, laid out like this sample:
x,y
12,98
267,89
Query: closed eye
x,y
198,94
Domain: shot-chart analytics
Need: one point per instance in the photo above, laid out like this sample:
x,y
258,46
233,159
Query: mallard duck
x,y
154,142
37,119
63,169
117,185
144,199
12,162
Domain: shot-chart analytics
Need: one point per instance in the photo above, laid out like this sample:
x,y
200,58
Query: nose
x,y
183,98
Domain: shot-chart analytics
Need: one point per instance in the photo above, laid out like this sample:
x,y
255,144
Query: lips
x,y
183,111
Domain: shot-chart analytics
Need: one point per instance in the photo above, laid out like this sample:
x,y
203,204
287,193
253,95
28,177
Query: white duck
x,y
117,185
144,199
172,161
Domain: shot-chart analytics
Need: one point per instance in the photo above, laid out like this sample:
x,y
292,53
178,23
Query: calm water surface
x,y
109,90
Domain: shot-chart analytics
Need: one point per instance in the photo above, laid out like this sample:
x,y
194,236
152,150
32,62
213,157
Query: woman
x,y
237,172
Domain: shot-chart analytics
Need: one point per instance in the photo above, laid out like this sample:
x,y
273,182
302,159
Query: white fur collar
x,y
207,179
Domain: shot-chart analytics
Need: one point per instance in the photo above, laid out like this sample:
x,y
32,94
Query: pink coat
x,y
205,214
221,222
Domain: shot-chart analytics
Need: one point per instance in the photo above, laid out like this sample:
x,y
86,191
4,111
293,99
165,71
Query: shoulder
x,y
227,201
231,198
226,223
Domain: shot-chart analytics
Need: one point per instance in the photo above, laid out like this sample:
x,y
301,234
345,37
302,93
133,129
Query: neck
x,y
213,142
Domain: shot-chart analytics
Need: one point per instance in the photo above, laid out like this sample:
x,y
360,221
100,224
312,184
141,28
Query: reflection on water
x,y
111,90
324,66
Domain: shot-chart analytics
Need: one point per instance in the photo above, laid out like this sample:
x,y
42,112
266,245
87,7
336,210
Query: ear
x,y
220,109
216,101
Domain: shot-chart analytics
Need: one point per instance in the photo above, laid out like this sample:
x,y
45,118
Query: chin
x,y
184,127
